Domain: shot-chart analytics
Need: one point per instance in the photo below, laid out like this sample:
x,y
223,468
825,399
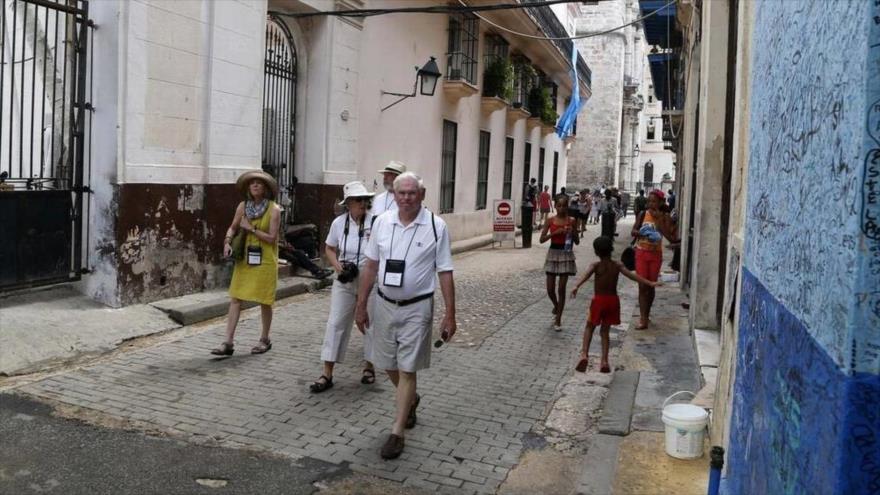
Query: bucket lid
x,y
685,412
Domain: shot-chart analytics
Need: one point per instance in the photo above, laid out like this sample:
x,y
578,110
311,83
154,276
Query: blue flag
x,y
566,122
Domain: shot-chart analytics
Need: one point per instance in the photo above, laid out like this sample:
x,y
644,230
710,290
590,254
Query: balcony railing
x,y
550,25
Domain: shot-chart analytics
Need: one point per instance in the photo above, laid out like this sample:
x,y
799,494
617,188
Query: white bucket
x,y
685,427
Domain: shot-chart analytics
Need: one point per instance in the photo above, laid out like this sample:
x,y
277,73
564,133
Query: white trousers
x,y
343,300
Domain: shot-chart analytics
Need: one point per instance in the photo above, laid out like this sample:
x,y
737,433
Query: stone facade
x,y
615,58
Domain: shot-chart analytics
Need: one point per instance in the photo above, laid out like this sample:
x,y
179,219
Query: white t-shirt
x,y
383,202
347,245
424,258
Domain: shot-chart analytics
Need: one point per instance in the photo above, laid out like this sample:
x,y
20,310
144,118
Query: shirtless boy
x,y
605,306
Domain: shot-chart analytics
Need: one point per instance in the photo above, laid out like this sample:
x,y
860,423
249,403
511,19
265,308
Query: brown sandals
x,y
263,346
225,349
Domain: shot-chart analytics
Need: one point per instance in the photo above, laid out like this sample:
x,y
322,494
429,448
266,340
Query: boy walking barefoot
x,y
605,306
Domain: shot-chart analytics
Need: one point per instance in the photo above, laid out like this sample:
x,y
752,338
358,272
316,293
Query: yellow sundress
x,y
257,283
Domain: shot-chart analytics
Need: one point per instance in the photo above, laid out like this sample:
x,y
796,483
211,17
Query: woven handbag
x,y
237,245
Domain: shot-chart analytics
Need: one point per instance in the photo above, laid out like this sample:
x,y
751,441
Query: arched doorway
x,y
649,174
279,110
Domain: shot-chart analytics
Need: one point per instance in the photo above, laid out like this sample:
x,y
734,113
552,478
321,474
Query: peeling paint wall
x,y
170,239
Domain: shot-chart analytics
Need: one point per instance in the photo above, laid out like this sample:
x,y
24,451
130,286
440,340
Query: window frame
x,y
542,152
447,166
483,150
462,47
527,168
507,181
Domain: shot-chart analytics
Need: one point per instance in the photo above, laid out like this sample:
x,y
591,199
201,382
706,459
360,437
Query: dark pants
x,y
300,259
609,225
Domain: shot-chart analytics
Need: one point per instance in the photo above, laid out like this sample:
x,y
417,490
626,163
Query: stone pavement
x,y
505,384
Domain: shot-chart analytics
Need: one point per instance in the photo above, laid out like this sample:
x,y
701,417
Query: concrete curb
x,y
475,243
201,311
619,403
600,466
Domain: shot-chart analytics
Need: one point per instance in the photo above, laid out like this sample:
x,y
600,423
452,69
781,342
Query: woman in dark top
x,y
560,262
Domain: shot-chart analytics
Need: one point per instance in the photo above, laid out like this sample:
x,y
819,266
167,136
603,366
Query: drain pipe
x,y
717,462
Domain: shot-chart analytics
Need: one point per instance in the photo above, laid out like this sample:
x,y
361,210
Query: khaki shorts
x,y
402,335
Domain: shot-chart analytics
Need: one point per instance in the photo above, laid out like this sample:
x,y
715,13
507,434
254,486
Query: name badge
x,y
394,273
254,255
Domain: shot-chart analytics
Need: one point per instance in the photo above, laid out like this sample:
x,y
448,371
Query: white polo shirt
x,y
383,202
425,257
348,244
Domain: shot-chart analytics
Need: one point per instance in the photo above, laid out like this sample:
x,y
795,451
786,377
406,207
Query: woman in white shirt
x,y
345,247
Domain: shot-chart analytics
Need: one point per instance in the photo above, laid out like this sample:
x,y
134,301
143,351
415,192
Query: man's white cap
x,y
394,167
354,189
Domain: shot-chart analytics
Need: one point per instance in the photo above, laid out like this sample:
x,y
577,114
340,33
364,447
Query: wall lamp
x,y
428,75
635,154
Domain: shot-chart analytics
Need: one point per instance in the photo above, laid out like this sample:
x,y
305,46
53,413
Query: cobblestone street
x,y
506,383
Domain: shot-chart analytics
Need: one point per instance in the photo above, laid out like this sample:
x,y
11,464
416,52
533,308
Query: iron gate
x,y
45,114
279,110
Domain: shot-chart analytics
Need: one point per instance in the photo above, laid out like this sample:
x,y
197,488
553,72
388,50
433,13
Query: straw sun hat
x,y
244,181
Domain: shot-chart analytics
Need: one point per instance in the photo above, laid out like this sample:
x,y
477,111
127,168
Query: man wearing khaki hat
x,y
384,201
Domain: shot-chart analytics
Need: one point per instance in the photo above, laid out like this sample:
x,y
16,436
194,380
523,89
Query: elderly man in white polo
x,y
406,249
384,201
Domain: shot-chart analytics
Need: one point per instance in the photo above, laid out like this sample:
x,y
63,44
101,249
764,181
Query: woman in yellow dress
x,y
255,276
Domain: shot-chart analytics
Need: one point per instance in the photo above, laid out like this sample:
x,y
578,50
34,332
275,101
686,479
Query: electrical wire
x,y
577,37
437,9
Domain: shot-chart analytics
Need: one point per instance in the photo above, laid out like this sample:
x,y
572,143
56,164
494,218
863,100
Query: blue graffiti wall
x,y
800,425
808,102
787,415
806,409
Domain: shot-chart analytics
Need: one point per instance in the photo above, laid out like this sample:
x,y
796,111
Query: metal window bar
x,y
522,81
495,48
555,171
507,184
447,171
279,111
483,169
43,59
461,53
46,74
550,25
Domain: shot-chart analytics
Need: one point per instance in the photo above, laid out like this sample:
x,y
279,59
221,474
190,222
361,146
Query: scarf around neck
x,y
255,210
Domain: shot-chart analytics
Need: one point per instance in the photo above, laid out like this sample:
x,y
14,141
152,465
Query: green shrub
x,y
541,105
498,79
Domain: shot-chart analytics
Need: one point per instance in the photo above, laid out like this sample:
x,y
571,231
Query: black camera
x,y
349,272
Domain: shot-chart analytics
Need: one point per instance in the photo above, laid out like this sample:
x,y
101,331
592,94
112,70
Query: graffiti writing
x,y
871,195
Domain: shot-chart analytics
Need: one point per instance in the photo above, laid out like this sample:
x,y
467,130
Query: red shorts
x,y
648,264
605,310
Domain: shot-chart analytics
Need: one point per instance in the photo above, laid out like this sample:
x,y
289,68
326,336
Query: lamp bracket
x,y
402,96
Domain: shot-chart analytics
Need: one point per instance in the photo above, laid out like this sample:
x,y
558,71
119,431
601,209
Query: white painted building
x,y
187,94
654,167
610,119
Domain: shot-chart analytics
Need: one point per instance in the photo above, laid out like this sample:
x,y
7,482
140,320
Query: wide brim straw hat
x,y
393,167
244,179
355,189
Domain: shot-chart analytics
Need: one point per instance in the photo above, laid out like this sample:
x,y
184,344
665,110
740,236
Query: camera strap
x,y
345,240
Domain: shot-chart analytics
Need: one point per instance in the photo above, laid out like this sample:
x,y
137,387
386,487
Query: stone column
x,y
704,291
